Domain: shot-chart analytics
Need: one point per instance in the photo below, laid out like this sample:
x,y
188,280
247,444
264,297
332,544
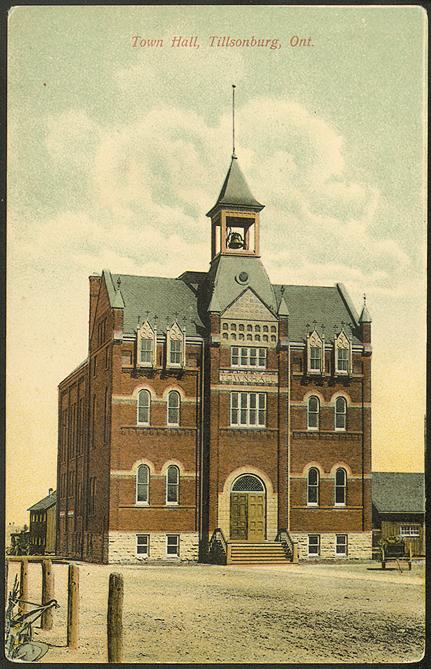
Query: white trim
x,y
142,555
177,554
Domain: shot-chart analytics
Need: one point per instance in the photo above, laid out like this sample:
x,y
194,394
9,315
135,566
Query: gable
x,y
249,307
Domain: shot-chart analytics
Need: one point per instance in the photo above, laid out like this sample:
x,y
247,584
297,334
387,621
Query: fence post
x,y
73,606
47,618
23,585
115,618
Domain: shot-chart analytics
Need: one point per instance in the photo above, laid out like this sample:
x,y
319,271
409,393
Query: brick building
x,y
217,413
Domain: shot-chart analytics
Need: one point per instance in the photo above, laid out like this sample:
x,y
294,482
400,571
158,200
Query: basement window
x,y
172,545
142,545
313,545
341,545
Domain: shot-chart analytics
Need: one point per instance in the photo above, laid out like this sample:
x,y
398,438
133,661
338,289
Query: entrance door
x,y
247,509
238,516
256,516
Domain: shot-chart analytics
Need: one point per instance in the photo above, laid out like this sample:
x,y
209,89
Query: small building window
x,y
172,545
342,360
313,487
248,409
315,358
313,545
313,411
126,359
409,531
244,356
340,413
147,351
341,544
172,485
340,487
174,402
142,545
175,353
142,484
144,404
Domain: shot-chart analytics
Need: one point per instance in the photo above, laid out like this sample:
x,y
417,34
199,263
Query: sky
x,y
116,152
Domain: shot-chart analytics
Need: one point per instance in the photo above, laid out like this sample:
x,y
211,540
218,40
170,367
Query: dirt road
x,y
294,613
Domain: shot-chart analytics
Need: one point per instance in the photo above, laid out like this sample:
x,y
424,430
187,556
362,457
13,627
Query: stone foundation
x,y
359,545
122,548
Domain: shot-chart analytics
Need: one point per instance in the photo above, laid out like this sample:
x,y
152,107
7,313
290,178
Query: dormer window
x,y
175,357
176,348
343,354
315,354
146,346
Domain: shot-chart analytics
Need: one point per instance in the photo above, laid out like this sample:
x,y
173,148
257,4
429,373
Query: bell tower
x,y
235,216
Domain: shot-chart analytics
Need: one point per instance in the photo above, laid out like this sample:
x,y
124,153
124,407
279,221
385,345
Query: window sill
x,y
312,505
139,504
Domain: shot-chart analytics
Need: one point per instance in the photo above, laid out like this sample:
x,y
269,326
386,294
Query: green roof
x,y
160,300
325,305
398,492
44,503
189,297
225,287
236,191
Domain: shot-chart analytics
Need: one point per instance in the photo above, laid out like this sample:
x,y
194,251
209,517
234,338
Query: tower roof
x,y
365,314
236,191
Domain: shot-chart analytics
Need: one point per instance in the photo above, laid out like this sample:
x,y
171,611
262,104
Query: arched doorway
x,y
247,509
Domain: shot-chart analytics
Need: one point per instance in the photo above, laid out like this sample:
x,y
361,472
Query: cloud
x,y
145,188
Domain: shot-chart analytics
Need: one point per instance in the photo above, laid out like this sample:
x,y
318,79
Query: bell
x,y
235,241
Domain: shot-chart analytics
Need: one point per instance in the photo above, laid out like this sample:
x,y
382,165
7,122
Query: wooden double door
x,y
247,516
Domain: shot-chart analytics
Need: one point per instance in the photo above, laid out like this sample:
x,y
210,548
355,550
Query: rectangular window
x,y
342,360
252,357
341,544
126,359
93,422
248,409
315,358
147,351
106,418
172,545
143,544
313,544
175,352
94,365
409,531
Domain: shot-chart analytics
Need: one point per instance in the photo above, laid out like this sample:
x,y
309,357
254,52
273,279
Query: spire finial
x,y
233,121
365,299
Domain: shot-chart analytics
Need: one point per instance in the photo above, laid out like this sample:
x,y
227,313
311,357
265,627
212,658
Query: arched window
x,y
313,409
172,485
340,413
142,484
313,487
174,408
248,483
144,402
340,487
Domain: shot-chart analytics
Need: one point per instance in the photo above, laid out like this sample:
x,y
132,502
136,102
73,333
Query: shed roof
x,y
398,492
44,503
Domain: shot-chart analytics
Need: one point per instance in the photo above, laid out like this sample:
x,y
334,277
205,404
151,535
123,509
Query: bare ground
x,y
273,614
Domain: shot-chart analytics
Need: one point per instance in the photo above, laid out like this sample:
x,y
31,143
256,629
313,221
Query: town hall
x,y
217,416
